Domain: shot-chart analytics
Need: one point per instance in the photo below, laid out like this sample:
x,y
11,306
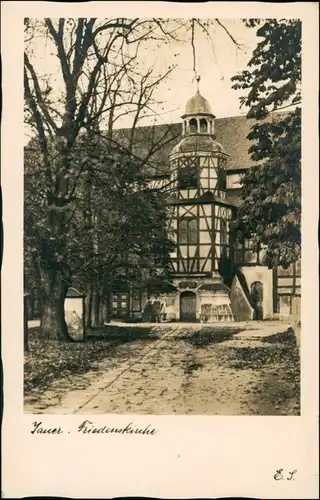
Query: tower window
x,y
188,178
183,231
193,126
203,126
188,231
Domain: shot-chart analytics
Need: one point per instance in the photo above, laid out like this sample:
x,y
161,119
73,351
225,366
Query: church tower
x,y
199,218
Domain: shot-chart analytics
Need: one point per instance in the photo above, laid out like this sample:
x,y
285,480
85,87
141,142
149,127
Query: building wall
x,y
234,181
265,276
289,307
289,291
211,305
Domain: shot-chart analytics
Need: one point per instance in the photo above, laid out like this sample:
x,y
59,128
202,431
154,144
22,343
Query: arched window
x,y
193,126
188,231
192,231
183,231
203,126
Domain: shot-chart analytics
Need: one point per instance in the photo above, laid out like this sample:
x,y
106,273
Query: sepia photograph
x,y
162,216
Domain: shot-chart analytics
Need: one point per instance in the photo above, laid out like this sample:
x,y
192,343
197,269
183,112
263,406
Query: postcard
x,y
159,292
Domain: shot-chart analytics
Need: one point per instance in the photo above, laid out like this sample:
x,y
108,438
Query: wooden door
x,y
188,305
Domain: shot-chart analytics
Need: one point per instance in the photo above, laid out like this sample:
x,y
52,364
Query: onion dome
x,y
198,105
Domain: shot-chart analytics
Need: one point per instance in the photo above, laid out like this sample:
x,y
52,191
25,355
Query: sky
x,y
217,60
216,63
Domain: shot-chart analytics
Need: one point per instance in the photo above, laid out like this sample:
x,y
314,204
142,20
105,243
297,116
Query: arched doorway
x,y
257,299
188,306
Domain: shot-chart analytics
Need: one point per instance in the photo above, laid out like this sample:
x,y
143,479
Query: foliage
x,y
46,362
127,230
97,74
209,336
271,210
116,225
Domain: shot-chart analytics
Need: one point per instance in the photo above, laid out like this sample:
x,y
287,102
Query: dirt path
x,y
182,370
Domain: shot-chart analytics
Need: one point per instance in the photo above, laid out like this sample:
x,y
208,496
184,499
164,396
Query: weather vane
x,y
198,81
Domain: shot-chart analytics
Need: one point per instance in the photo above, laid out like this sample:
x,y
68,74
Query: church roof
x,y
154,144
197,105
230,132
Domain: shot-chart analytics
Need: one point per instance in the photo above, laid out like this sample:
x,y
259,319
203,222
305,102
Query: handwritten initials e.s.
x,y
279,476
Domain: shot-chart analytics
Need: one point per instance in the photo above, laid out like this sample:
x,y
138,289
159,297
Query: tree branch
x,y
41,133
237,44
40,100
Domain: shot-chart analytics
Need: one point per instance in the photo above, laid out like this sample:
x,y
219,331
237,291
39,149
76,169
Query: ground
x,y
235,369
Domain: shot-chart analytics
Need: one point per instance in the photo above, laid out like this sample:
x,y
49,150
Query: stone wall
x,y
285,306
296,308
290,307
242,310
297,332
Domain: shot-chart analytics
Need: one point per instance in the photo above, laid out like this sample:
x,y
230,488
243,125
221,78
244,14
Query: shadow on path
x,y
118,335
209,336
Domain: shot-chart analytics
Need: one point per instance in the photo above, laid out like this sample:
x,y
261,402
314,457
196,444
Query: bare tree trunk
x,y
100,319
95,307
52,320
108,308
30,306
103,310
88,307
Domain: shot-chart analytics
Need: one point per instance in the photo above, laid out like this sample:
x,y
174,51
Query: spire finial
x,y
198,81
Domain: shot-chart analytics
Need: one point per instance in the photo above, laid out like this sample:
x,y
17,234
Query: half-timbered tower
x,y
204,191
199,218
200,161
